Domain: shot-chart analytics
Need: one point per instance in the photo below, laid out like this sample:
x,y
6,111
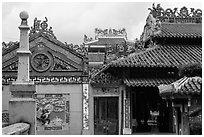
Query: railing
x,y
16,129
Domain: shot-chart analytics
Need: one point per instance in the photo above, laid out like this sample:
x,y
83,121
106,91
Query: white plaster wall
x,y
6,96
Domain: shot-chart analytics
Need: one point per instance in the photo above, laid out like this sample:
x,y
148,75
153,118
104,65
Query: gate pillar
x,y
22,106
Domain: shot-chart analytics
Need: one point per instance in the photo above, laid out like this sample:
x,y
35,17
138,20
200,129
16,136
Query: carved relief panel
x,y
106,91
52,112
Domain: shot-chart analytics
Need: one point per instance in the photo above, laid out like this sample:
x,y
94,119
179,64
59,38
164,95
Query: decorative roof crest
x,y
87,39
81,49
39,26
110,33
9,45
176,16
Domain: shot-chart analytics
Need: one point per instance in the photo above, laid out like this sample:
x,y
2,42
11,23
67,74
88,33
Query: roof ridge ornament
x,y
110,33
9,45
81,49
176,16
42,27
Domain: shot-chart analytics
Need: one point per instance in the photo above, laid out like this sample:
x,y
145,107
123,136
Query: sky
x,y
71,20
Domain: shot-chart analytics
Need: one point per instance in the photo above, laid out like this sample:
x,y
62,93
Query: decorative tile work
x,y
85,107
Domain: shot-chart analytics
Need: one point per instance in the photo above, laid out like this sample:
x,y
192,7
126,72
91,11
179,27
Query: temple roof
x,y
183,86
173,23
180,30
162,56
40,29
147,82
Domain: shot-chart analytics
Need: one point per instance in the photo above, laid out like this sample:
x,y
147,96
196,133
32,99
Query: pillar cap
x,y
24,15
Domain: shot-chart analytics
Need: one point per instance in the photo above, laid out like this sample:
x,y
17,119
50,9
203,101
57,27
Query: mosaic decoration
x,y
174,15
106,91
85,107
41,27
52,112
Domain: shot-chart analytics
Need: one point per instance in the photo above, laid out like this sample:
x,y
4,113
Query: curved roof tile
x,y
180,30
163,56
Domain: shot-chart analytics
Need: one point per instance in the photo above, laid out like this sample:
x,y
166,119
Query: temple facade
x,y
109,85
61,77
128,86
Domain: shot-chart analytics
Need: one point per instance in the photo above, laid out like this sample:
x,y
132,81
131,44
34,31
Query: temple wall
x,y
75,104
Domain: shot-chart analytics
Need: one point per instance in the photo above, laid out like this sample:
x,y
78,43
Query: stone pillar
x,y
85,97
126,113
22,106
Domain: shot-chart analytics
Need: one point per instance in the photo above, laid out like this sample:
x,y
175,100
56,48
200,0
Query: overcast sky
x,y
70,21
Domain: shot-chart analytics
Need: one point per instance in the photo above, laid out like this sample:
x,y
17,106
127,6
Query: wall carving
x,y
41,62
52,112
106,91
105,78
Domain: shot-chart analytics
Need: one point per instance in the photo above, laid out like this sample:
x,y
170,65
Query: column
x,y
85,97
22,106
185,119
126,113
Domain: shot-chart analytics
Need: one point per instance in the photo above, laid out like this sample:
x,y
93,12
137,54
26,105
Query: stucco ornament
x,y
41,62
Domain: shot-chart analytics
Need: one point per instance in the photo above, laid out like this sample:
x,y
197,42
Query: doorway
x,y
149,113
106,116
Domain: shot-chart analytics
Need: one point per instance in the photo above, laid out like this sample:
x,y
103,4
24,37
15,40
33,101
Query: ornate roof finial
x,y
42,27
110,33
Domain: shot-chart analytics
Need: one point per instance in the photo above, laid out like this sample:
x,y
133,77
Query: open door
x,y
106,116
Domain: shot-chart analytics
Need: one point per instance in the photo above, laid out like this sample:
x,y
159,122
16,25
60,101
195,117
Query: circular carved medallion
x,y
41,62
